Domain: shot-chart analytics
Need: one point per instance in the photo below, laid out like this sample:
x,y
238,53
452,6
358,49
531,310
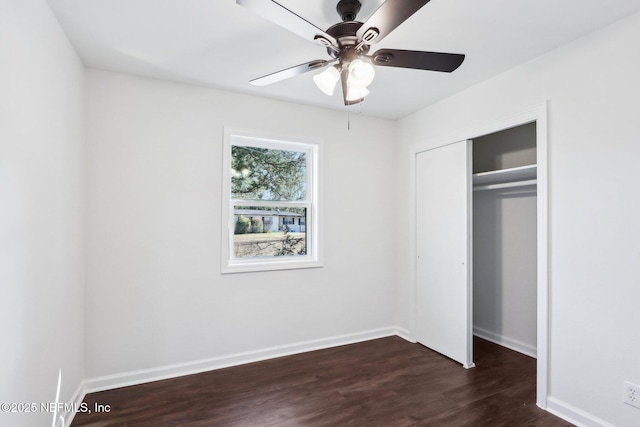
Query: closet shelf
x,y
522,173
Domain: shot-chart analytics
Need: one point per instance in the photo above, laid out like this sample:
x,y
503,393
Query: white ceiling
x,y
219,44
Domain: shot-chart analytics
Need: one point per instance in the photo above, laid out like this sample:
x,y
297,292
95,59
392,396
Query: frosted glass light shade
x,y
355,93
361,73
326,80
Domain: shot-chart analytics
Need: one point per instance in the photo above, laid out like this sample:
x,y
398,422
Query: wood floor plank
x,y
384,382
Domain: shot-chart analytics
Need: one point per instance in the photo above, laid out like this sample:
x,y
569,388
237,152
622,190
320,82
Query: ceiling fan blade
x,y
387,18
419,60
287,19
291,72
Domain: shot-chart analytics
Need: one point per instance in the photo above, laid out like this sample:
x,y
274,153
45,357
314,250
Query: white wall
x,y
593,92
155,295
42,210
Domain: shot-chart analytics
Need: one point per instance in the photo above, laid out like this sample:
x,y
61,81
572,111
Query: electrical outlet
x,y
631,394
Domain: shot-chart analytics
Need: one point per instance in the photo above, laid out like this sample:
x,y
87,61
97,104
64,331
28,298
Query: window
x,y
270,204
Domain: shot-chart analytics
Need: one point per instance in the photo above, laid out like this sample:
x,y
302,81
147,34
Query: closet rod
x,y
504,185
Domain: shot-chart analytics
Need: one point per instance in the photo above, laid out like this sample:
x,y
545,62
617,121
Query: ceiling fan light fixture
x,y
361,73
356,93
327,80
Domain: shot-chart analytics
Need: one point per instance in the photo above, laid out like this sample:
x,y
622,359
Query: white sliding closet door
x,y
443,208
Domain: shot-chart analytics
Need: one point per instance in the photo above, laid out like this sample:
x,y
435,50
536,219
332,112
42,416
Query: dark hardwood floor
x,y
384,382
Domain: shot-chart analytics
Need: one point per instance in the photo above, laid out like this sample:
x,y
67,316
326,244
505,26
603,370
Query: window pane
x,y
269,231
268,174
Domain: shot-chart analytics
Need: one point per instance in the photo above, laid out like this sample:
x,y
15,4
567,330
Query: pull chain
x,y
349,113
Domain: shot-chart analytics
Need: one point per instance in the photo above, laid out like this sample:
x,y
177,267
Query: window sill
x,y
253,265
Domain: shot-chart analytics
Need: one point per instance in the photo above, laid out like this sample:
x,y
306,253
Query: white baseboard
x,y
509,343
125,379
574,415
76,400
405,335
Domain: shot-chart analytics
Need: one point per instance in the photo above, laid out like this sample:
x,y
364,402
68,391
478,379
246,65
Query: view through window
x,y
271,201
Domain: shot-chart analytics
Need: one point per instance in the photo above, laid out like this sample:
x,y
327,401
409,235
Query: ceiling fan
x,y
348,44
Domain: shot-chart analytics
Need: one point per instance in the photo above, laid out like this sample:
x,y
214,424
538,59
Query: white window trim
x,y
313,258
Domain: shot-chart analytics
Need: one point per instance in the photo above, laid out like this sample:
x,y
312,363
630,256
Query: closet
x,y
476,234
505,238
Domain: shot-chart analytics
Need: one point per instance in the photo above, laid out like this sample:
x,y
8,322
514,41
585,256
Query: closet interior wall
x,y
505,243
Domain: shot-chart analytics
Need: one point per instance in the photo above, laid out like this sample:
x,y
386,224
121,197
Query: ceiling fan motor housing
x,y
345,34
348,9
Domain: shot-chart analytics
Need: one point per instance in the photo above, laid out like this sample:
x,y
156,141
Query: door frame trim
x,y
538,114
